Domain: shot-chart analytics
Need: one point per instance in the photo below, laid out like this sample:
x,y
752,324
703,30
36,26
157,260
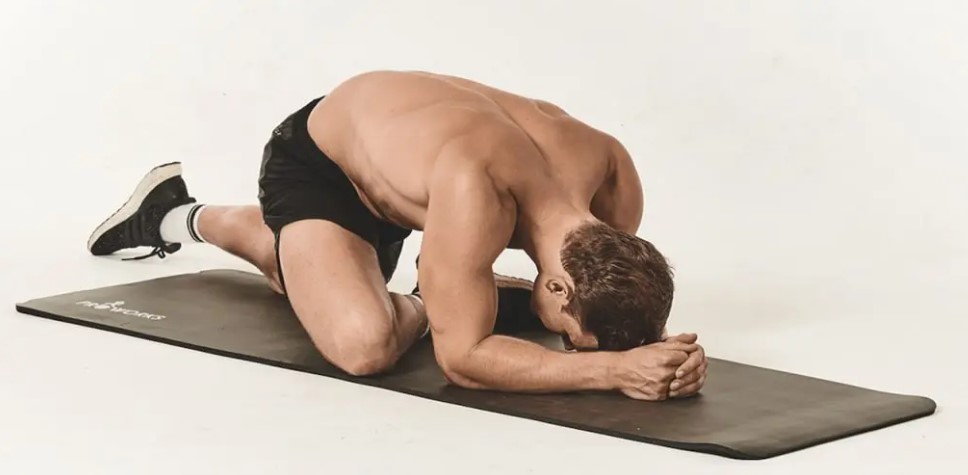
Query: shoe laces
x,y
161,251
145,228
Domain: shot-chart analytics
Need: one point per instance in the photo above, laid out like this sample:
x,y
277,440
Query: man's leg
x,y
335,285
333,280
240,231
160,213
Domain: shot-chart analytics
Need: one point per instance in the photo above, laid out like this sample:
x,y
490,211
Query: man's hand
x,y
691,375
648,371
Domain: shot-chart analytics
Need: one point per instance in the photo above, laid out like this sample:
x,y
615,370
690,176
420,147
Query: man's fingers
x,y
673,359
685,380
674,345
696,359
683,337
689,377
643,395
686,391
690,365
634,394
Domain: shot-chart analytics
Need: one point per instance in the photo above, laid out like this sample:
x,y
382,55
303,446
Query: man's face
x,y
550,308
569,346
585,342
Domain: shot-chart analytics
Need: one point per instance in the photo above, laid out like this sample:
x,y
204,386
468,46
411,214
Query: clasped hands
x,y
672,368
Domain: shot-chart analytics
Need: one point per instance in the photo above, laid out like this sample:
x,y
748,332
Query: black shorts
x,y
298,181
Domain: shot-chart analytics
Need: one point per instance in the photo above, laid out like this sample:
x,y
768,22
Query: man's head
x,y
615,291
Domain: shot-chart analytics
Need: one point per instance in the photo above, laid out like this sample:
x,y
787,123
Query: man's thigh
x,y
334,283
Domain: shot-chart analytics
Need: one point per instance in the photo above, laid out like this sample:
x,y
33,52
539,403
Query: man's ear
x,y
558,288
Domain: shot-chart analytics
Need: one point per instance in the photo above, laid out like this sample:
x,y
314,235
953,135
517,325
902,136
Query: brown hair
x,y
623,286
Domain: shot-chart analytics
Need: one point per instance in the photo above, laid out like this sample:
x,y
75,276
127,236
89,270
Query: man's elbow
x,y
455,370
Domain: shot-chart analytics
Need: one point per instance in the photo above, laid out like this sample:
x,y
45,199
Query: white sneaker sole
x,y
155,177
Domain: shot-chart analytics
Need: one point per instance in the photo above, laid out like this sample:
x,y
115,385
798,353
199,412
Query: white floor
x,y
805,167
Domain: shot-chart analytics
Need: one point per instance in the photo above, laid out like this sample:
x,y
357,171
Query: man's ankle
x,y
417,301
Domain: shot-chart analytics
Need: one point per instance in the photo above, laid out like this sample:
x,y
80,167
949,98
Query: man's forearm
x,y
510,364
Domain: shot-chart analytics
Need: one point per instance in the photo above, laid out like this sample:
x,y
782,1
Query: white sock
x,y
181,224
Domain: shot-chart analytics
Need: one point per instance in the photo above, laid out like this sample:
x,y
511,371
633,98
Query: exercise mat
x,y
743,412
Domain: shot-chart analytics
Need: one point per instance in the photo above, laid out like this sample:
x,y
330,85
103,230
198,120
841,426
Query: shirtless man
x,y
345,180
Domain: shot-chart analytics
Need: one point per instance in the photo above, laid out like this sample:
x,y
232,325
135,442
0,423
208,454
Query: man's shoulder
x,y
458,167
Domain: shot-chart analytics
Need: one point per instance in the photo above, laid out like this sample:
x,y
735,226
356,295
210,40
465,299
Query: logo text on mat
x,y
116,307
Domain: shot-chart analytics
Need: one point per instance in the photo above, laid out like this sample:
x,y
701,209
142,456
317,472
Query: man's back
x,y
389,131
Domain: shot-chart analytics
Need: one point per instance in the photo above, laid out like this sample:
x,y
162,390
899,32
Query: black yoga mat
x,y
743,412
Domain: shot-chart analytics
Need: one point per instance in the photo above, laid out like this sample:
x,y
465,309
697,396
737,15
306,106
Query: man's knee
x,y
362,345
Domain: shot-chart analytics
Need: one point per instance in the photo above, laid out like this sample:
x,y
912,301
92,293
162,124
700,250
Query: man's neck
x,y
545,233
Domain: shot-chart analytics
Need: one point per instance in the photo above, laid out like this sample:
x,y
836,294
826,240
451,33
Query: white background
x,y
805,171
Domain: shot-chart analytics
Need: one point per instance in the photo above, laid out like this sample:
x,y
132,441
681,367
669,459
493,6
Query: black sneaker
x,y
138,222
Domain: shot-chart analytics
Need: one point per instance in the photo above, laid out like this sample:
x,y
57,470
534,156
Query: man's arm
x,y
469,222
